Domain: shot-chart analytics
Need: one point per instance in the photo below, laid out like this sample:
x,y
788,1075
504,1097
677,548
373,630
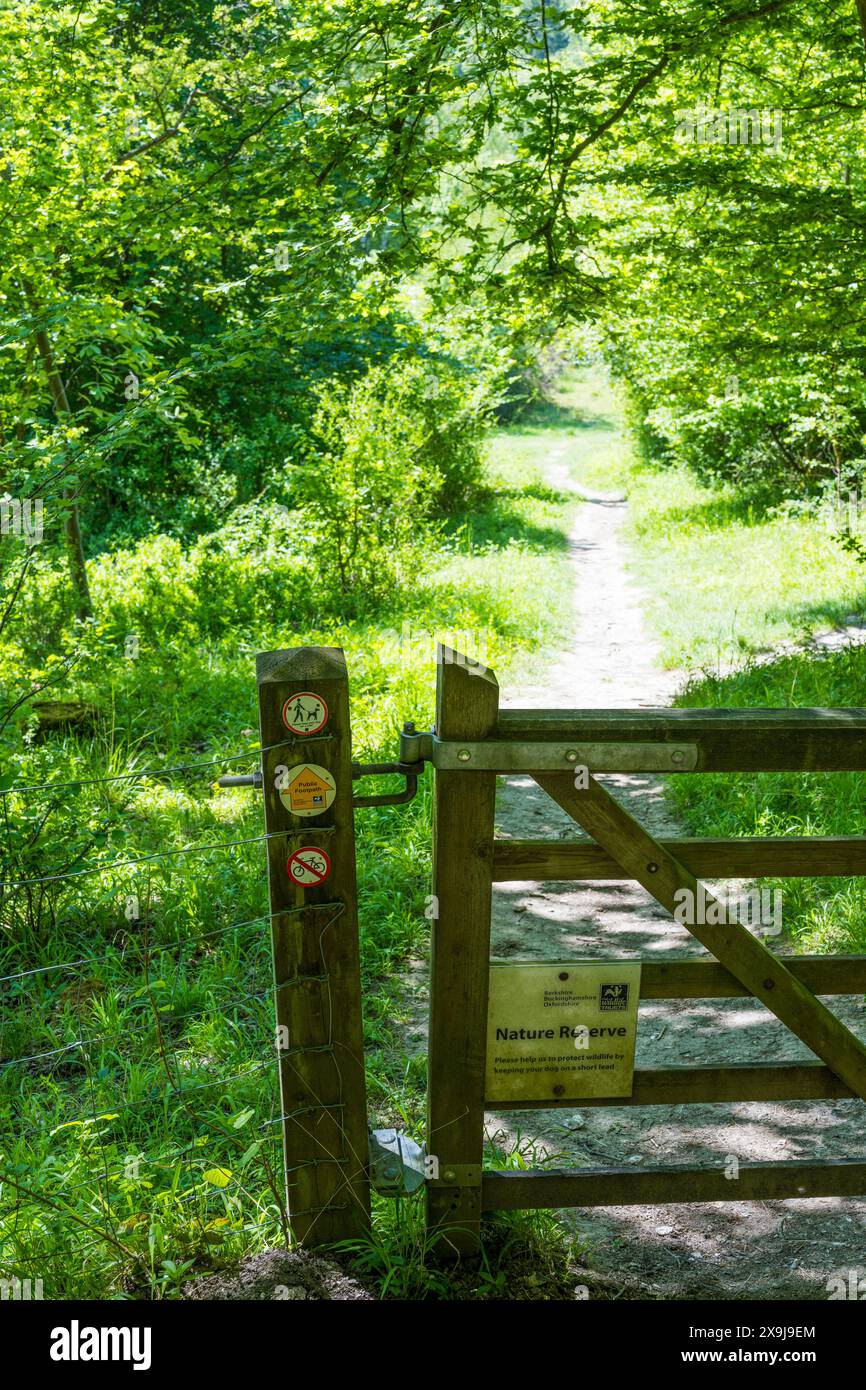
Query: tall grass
x,y
819,914
727,575
138,1086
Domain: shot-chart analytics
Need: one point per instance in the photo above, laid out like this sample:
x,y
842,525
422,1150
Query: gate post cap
x,y
301,664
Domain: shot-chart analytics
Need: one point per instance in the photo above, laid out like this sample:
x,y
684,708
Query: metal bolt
x,y
769,984
652,868
571,756
464,755
677,755
564,975
449,1173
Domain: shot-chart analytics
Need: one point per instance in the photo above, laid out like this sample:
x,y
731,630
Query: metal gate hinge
x,y
410,766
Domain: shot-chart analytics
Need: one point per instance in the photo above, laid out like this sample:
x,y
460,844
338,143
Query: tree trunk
x,y
72,525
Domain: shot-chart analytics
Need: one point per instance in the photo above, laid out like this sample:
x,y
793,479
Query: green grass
x,y
600,451
820,915
726,578
140,1150
524,1255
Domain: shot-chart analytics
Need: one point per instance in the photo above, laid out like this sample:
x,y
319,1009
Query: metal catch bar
x,y
411,772
498,756
494,755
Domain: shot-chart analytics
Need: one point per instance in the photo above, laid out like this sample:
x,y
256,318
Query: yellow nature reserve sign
x,y
562,1031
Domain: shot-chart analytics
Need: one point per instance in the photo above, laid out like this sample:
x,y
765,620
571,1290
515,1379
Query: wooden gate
x,y
473,743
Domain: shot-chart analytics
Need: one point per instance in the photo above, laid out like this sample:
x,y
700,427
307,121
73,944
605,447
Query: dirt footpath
x,y
716,1250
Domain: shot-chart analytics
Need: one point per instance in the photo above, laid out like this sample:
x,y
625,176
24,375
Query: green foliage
x,y
363,484
819,915
733,313
267,271
146,1107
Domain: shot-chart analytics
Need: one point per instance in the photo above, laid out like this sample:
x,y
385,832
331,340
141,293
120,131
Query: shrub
x,y
365,482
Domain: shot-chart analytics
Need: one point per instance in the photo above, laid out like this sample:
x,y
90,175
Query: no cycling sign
x,y
309,866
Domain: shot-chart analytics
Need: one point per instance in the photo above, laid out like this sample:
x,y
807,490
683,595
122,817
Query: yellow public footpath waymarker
x,y
309,790
561,1031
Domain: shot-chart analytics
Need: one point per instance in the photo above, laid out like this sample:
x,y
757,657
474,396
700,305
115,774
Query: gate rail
x,y
306,779
473,743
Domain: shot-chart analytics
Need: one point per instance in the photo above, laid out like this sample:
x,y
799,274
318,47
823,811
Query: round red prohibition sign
x,y
305,713
308,866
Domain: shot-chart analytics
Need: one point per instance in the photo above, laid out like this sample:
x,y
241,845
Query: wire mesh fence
x,y
139,1085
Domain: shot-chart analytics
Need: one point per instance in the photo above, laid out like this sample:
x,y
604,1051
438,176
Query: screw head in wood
x,y
464,756
652,868
571,756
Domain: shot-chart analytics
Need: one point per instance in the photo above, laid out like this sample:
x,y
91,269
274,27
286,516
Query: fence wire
x,y
41,1186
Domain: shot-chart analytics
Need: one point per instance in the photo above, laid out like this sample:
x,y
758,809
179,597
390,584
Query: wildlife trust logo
x,y
613,998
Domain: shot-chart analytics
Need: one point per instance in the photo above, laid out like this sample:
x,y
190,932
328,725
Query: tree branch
x,y
157,140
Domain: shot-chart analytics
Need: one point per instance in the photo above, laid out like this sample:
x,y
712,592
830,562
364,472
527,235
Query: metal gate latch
x,y
397,1163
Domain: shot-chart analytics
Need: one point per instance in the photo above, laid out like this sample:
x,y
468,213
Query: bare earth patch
x,y
279,1275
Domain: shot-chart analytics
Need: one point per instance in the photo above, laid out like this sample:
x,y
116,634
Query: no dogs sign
x,y
305,713
308,866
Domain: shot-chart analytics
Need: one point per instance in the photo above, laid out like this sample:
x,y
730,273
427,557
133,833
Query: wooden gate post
x,y
307,786
467,706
